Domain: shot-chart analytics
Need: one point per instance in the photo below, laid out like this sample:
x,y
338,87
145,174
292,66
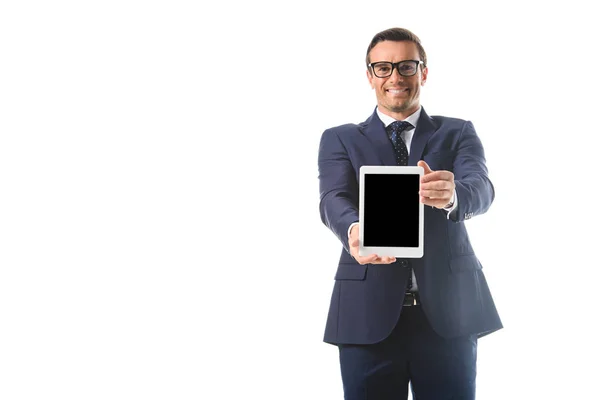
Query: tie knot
x,y
398,126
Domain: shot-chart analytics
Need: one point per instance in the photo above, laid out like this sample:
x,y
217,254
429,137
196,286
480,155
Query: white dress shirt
x,y
407,136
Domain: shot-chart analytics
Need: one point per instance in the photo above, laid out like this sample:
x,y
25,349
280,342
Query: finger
x,y
384,260
437,185
424,165
370,259
438,203
438,176
365,260
436,194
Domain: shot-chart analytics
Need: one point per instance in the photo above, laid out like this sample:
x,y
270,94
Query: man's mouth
x,y
397,91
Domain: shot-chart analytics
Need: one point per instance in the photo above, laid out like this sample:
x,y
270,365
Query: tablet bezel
x,y
400,252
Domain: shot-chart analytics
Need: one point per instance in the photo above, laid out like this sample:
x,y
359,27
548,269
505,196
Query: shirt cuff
x,y
454,202
350,228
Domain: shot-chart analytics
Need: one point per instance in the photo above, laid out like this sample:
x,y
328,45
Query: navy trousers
x,y
437,368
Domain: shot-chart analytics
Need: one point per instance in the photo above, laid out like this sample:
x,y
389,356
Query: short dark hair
x,y
397,35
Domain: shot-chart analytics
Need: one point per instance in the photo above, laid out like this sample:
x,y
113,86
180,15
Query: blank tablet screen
x,y
391,210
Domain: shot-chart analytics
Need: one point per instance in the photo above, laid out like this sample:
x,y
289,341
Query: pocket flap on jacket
x,y
354,272
465,263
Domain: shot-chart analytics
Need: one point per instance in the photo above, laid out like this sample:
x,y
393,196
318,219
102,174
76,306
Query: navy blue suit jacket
x,y
367,299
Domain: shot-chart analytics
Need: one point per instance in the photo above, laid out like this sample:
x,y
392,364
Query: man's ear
x,y
424,76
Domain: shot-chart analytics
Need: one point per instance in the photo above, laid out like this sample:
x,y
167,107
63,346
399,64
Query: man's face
x,y
397,96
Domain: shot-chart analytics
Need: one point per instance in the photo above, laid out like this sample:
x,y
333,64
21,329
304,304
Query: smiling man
x,y
401,321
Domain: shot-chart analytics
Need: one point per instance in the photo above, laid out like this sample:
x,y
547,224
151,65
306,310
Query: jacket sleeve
x,y
474,189
337,186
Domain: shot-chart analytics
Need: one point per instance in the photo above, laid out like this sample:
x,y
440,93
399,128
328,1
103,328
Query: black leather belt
x,y
411,299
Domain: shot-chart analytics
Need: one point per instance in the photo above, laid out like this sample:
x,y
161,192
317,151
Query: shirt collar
x,y
412,118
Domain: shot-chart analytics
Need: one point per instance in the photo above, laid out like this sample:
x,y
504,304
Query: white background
x,y
159,227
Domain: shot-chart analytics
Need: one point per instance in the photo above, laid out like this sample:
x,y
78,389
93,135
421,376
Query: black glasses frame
x,y
395,65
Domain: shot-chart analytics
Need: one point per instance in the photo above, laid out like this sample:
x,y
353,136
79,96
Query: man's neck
x,y
387,119
399,116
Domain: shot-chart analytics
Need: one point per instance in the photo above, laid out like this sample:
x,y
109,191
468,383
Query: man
x,y
397,321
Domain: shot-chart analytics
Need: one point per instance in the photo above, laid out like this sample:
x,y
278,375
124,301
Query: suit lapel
x,y
425,128
375,132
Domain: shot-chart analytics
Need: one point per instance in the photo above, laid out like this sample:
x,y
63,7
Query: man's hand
x,y
437,187
371,259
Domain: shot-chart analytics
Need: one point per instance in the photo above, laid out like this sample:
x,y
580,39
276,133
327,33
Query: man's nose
x,y
395,76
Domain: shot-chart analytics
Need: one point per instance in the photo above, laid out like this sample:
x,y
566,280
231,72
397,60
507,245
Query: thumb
x,y
425,167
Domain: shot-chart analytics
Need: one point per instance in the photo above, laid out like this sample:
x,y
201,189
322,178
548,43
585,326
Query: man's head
x,y
397,86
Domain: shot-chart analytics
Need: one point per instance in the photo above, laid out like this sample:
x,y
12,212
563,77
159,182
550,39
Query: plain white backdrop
x,y
159,227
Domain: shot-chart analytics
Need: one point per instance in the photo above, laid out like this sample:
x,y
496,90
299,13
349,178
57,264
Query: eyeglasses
x,y
383,69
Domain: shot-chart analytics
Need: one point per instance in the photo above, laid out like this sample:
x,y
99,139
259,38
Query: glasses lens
x,y
382,69
407,68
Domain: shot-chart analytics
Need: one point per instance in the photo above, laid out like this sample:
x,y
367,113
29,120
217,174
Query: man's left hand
x,y
437,187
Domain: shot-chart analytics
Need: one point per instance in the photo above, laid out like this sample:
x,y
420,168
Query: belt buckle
x,y
410,299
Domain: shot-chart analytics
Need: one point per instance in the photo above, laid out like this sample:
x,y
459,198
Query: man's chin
x,y
398,108
402,107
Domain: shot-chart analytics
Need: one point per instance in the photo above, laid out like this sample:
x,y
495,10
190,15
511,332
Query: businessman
x,y
407,321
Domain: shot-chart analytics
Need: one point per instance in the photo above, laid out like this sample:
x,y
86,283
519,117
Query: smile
x,y
397,91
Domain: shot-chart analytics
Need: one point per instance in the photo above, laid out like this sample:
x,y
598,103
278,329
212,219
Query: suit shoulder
x,y
439,119
340,132
451,124
343,129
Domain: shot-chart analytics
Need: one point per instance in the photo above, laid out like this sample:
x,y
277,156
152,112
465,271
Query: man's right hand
x,y
370,259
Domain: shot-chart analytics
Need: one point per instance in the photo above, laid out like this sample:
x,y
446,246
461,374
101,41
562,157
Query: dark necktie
x,y
394,130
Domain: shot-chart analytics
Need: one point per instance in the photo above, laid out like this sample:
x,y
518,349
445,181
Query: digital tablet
x,y
390,211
